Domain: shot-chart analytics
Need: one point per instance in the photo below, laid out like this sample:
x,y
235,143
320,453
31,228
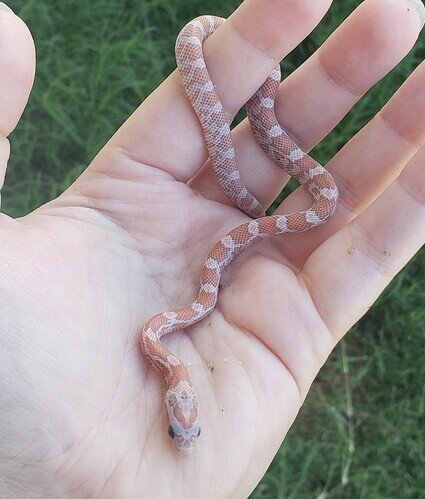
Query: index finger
x,y
164,131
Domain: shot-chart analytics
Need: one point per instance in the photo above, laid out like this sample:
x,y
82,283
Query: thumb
x,y
17,66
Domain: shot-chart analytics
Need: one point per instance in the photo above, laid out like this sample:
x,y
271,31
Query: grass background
x,y
361,431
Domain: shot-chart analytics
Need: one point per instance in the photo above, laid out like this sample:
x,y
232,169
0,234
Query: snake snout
x,y
184,438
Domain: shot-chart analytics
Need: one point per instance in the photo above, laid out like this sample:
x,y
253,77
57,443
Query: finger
x,y
315,98
164,132
17,65
366,166
347,273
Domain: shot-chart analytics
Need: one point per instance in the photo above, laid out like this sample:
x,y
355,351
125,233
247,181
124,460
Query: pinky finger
x,y
348,272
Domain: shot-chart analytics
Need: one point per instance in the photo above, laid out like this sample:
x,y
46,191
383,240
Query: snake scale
x,y
181,400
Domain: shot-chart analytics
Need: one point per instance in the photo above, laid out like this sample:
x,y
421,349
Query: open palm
x,y
82,410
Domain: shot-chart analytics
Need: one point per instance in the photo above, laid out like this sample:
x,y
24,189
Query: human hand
x,y
82,412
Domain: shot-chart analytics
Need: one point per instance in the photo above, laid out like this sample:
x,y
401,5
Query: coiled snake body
x,y
181,400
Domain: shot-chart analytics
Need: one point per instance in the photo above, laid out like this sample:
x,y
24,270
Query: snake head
x,y
182,408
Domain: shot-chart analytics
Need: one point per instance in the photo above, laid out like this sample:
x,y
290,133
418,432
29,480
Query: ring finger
x,y
366,166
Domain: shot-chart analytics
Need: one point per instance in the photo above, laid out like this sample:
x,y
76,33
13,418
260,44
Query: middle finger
x,y
313,99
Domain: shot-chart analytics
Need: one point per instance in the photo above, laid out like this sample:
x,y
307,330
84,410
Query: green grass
x,y
361,432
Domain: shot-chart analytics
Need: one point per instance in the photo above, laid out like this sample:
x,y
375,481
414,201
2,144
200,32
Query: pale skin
x,y
82,412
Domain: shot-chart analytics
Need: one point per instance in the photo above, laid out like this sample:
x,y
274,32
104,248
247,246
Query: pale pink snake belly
x,y
181,400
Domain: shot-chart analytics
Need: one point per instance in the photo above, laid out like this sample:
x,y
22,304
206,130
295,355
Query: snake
x,y
181,400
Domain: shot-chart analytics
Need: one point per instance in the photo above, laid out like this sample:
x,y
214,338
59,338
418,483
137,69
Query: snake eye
x,y
171,432
199,432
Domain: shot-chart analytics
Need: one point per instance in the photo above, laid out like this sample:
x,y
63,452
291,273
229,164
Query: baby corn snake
x,y
181,400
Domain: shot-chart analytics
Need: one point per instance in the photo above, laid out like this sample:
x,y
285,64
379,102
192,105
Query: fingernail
x,y
3,6
420,7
